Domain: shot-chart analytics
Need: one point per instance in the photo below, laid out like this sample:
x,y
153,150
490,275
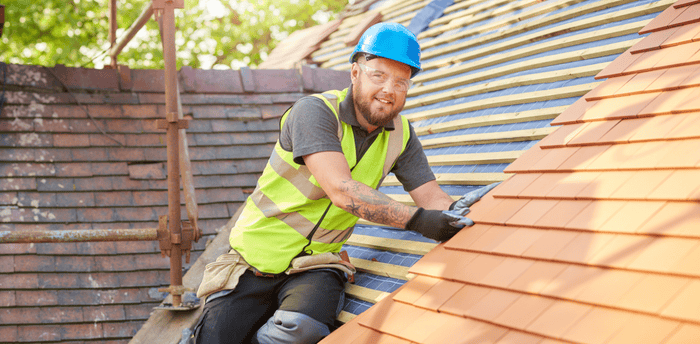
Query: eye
x,y
377,75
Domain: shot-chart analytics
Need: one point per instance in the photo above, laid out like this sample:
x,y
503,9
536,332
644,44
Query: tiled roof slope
x,y
59,171
495,74
595,238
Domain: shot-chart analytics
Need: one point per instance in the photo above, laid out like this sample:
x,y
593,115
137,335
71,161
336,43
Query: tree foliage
x,y
210,33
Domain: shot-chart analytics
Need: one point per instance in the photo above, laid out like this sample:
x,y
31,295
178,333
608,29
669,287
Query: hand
x,y
462,205
438,225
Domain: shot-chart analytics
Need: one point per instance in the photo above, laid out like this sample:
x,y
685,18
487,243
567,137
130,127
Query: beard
x,y
377,118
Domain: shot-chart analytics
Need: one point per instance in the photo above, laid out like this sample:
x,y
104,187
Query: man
x,y
333,152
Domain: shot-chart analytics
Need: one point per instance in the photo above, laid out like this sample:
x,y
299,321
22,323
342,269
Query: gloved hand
x,y
462,205
439,225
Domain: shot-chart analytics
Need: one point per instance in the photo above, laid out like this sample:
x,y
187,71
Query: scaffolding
x,y
174,235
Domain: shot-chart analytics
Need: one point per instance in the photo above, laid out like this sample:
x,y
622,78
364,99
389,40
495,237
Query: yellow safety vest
x,y
288,202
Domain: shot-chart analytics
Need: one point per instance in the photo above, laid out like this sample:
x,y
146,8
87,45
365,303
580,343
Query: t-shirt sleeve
x,y
412,168
310,127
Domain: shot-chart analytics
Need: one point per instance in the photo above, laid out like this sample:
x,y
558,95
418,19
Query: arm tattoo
x,y
374,206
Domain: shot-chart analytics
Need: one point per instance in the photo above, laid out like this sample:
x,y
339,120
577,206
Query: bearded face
x,y
378,104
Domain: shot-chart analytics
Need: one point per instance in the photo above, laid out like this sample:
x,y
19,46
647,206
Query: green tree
x,y
211,33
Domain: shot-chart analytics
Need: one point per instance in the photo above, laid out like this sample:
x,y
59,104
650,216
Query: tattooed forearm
x,y
372,205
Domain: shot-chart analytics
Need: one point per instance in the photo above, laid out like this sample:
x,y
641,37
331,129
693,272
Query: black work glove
x,y
463,204
439,225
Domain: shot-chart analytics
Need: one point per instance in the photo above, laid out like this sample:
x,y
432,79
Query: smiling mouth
x,y
384,101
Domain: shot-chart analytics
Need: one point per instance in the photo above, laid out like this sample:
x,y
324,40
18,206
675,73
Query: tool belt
x,y
224,273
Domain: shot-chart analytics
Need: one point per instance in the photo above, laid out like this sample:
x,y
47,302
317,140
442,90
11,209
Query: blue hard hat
x,y
392,41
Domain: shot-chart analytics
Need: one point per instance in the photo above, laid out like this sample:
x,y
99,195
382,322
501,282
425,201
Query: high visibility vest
x,y
279,217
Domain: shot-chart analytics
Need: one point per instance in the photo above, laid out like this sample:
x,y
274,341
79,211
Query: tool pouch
x,y
222,274
323,260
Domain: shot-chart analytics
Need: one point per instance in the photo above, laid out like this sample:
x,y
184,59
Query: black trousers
x,y
236,317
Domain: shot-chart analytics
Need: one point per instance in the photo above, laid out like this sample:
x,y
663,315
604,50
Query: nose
x,y
389,86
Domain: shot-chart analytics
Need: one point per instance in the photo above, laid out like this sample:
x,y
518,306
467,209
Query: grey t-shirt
x,y
311,127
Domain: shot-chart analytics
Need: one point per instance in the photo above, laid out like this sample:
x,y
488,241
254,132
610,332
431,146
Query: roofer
x,y
333,151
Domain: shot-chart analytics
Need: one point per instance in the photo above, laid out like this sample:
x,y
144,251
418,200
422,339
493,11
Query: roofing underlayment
x,y
593,237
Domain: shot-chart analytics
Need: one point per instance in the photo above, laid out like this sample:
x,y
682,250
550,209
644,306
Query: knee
x,y
292,327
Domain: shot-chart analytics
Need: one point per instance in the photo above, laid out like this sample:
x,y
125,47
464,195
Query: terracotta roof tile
x,y
572,184
690,264
613,108
574,112
583,158
631,216
541,186
553,158
682,35
619,65
655,128
519,241
536,277
505,273
674,101
685,153
531,212
680,185
687,128
592,132
640,328
641,184
549,244
491,238
594,215
438,294
683,3
478,331
464,299
506,208
640,82
662,21
415,288
424,326
559,318
562,212
674,218
685,334
492,304
515,184
370,336
477,268
515,337
562,135
621,251
653,41
606,287
350,331
466,237
608,88
673,78
690,15
529,158
584,247
672,249
433,263
652,293
524,310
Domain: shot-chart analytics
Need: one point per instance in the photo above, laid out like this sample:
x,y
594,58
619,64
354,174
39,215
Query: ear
x,y
354,72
